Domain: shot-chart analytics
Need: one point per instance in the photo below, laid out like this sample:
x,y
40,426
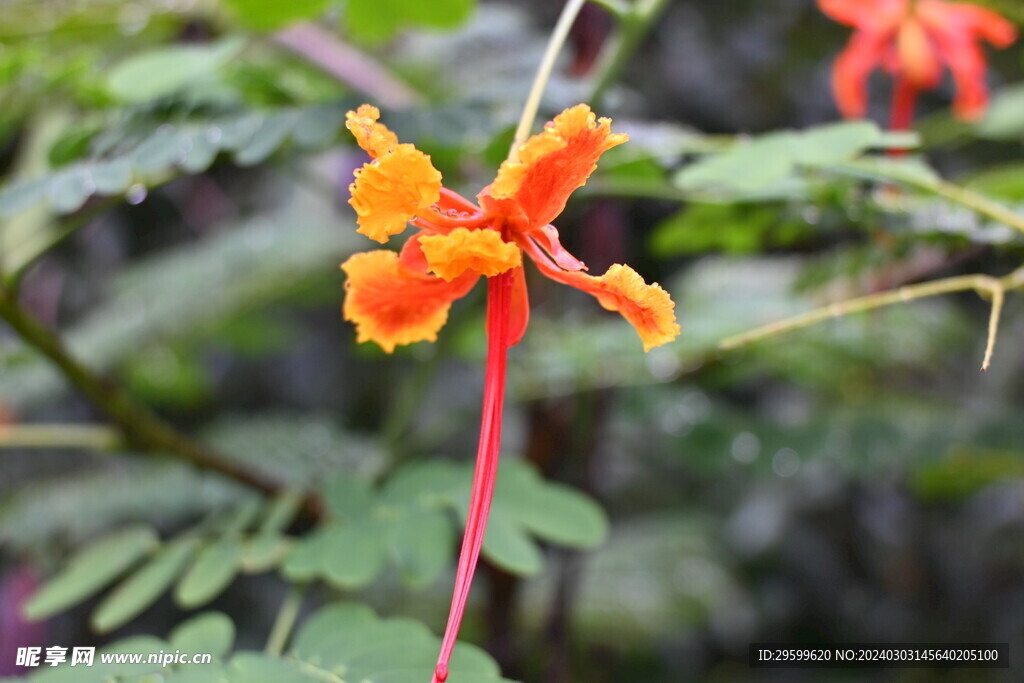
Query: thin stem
x,y
285,620
141,428
994,287
998,294
92,437
634,25
499,297
978,203
540,81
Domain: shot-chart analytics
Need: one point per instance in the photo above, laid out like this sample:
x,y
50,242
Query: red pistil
x,y
499,306
452,211
904,99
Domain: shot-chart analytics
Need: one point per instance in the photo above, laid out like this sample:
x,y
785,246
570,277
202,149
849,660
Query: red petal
x,y
547,238
965,18
412,256
850,73
864,13
395,305
520,315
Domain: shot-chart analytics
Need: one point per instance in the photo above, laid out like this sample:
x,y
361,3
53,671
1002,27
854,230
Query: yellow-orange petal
x,y
648,307
390,191
392,304
372,136
553,164
479,251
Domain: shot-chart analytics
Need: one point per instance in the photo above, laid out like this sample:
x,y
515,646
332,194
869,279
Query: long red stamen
x,y
904,100
499,299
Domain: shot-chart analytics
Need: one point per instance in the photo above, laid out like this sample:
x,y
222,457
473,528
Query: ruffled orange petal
x,y
373,137
648,307
553,164
392,304
461,250
390,191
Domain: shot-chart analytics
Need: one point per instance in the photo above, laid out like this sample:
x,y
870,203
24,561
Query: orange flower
x,y
406,299
400,299
913,40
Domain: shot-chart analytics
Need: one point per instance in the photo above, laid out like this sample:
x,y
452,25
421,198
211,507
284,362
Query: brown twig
x,y
141,428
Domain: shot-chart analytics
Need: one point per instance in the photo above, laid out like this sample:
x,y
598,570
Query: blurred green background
x,y
173,202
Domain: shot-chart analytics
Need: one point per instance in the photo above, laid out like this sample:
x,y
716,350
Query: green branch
x,y
93,437
994,287
634,24
141,428
285,621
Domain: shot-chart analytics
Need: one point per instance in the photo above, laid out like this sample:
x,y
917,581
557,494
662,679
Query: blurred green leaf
x,y
1005,181
238,269
189,146
341,637
144,587
78,506
168,377
112,671
411,519
1002,120
376,20
91,569
421,545
351,638
733,228
910,170
299,451
762,165
281,511
264,552
773,165
836,142
508,545
212,571
965,471
267,15
353,556
210,632
149,75
550,511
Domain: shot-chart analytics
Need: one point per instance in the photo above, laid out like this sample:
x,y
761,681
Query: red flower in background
x,y
914,40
